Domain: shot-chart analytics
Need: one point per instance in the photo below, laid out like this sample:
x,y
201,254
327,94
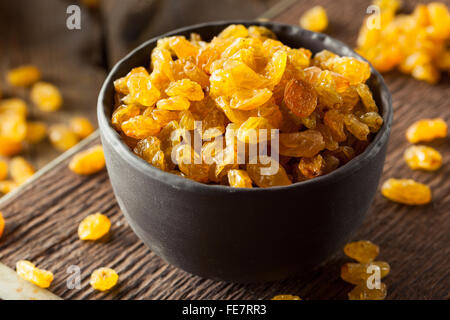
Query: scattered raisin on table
x,y
88,161
23,76
28,271
414,43
81,126
314,19
426,130
361,292
20,170
362,251
406,191
423,157
93,227
357,273
103,279
2,224
62,137
46,96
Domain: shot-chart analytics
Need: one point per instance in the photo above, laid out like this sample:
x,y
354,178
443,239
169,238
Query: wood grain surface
x,y
43,217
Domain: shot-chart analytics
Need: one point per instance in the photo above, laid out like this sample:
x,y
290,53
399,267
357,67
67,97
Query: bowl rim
x,y
178,182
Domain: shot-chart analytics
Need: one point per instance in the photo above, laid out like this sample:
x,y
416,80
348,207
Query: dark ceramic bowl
x,y
243,235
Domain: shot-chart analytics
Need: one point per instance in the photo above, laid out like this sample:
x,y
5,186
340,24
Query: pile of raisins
x,y
231,92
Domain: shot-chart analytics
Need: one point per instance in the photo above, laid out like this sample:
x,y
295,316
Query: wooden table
x,y
42,217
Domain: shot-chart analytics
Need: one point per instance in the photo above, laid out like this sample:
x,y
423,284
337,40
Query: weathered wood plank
x,y
42,219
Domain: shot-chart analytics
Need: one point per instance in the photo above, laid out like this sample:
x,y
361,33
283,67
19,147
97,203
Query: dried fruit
x,y
3,169
300,97
423,157
267,172
15,106
81,126
28,271
357,128
301,144
361,292
286,297
94,227
239,179
426,130
315,19
362,251
150,149
177,103
140,127
275,99
311,167
9,146
141,90
7,186
185,88
254,130
103,279
406,191
191,164
20,170
2,224
415,43
89,161
358,273
46,96
124,113
36,132
62,137
23,76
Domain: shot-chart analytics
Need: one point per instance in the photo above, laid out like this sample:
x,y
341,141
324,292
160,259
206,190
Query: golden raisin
x,y
415,43
20,170
2,224
406,191
124,113
3,169
14,105
7,186
300,97
103,279
267,172
239,179
177,103
46,96
315,19
89,161
423,157
362,251
426,130
94,227
311,167
185,88
140,127
28,271
81,126
301,144
358,273
361,292
36,131
286,297
23,76
62,137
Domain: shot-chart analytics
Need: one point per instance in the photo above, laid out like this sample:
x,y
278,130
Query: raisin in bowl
x,y
243,234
